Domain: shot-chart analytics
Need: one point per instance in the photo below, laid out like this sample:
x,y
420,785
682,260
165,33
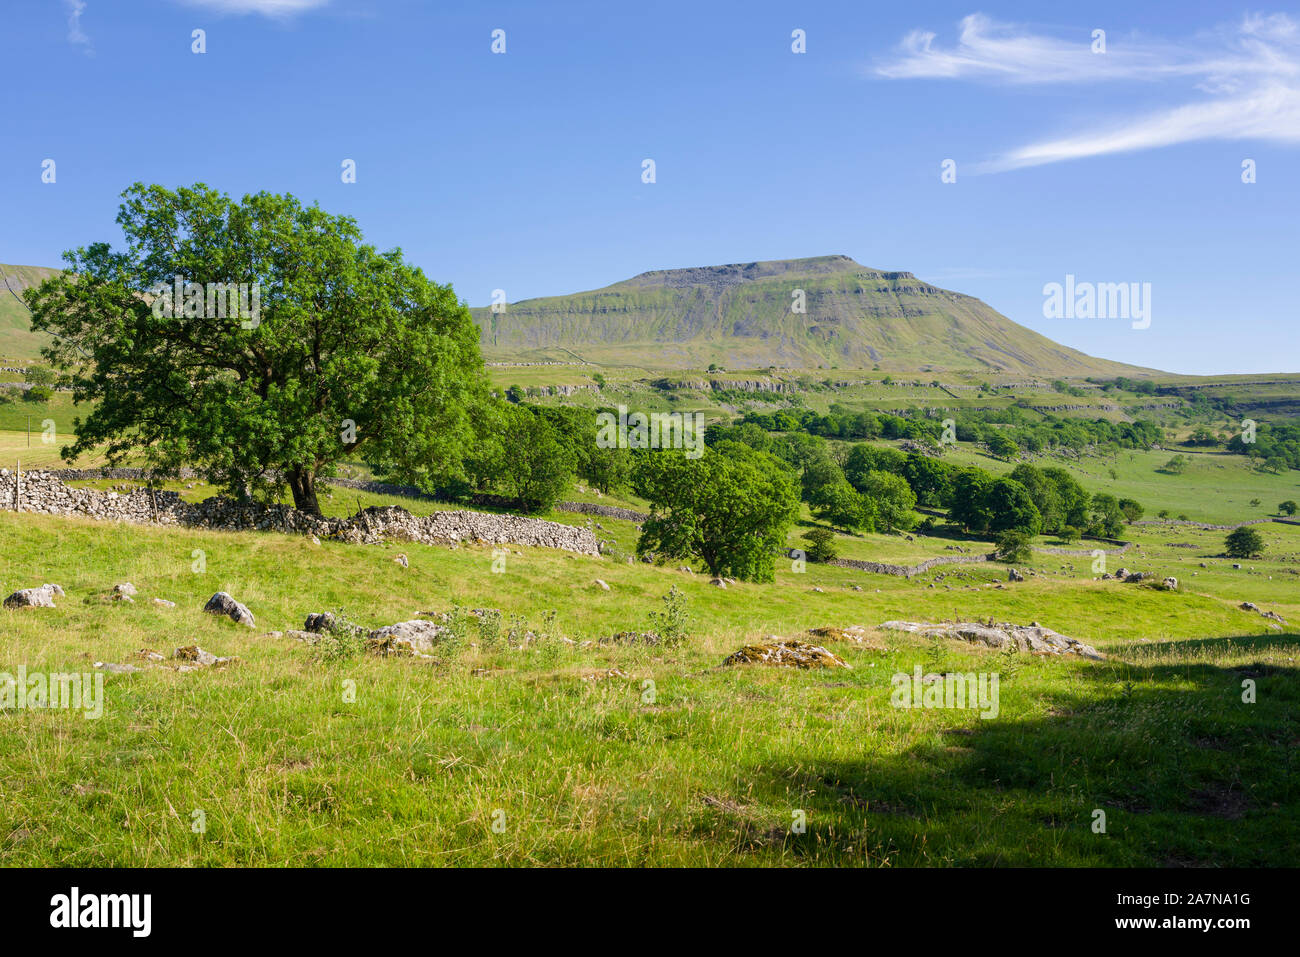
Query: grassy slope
x,y
17,342
587,771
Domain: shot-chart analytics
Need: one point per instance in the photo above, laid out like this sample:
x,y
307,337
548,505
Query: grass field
x,y
590,765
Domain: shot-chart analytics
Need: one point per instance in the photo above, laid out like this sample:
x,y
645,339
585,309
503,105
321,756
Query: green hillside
x,y
18,343
740,316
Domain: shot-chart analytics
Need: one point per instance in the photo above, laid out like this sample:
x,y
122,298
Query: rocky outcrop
x,y
1251,606
787,653
1032,638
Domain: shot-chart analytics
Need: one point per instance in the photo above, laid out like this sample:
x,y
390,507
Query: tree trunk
x,y
302,482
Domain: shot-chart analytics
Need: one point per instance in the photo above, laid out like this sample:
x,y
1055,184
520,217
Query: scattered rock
x,y
321,622
116,669
632,638
1251,606
125,589
604,674
404,639
222,604
403,561
787,653
602,585
163,602
1014,576
1031,638
42,597
194,655
717,583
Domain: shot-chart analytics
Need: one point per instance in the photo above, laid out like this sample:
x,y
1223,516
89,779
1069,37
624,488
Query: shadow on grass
x,y
1185,769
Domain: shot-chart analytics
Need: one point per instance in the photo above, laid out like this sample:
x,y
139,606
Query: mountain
x,y
740,316
18,344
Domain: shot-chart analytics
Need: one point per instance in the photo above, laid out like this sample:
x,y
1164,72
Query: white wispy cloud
x,y
1246,80
268,8
77,36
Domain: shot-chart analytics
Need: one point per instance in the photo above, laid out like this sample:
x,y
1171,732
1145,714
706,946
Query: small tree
x,y
731,508
1288,507
1244,542
843,506
1013,546
821,545
1132,510
40,383
537,466
1002,446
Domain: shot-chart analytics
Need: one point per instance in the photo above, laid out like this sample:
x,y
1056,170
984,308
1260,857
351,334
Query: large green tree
x,y
352,353
731,508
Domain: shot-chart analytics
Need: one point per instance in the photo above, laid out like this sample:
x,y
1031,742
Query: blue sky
x,y
523,170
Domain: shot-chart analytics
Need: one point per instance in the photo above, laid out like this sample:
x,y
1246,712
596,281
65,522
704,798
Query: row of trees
x,y
869,488
1007,431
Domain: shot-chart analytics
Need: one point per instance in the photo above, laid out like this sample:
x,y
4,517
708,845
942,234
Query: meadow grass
x,y
580,762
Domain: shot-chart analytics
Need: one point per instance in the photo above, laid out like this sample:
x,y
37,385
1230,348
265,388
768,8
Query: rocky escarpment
x,y
44,493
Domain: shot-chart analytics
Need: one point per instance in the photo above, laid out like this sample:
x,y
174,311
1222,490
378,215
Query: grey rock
x,y
404,638
1034,639
42,597
223,604
116,669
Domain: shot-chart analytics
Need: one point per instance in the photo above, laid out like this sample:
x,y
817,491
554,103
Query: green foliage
x,y
354,353
1289,507
40,381
843,506
731,508
1013,546
672,624
1243,542
1009,506
1002,445
1132,510
1044,493
1105,518
821,545
891,500
536,466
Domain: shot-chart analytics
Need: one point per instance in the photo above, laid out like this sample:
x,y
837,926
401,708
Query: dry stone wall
x,y
45,493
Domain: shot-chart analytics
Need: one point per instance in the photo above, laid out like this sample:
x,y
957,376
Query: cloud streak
x,y
1247,79
77,36
267,8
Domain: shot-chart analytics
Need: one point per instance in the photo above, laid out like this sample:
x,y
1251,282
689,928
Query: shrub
x,y
1244,542
673,623
821,545
1013,546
